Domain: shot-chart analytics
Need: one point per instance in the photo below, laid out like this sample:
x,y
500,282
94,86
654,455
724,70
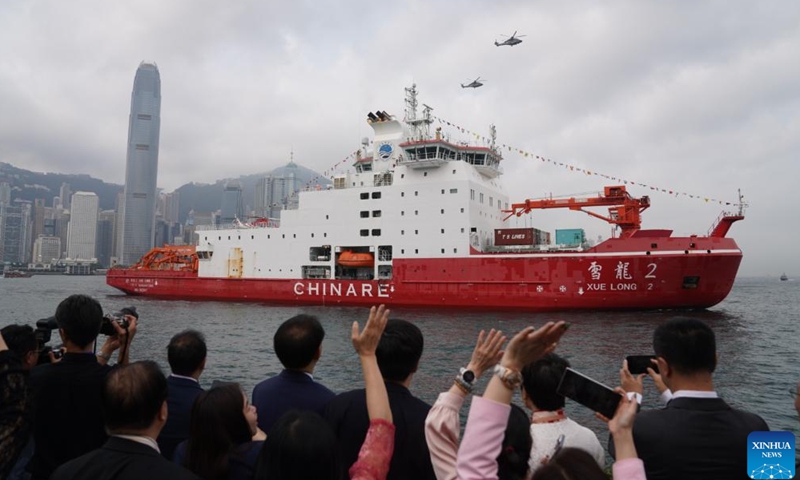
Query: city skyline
x,y
137,232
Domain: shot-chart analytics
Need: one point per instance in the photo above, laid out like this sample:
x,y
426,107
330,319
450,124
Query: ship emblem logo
x,y
385,151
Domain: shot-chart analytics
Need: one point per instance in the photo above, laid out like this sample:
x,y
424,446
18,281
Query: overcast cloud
x,y
695,96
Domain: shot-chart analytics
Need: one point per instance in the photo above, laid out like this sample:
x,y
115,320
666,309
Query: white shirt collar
x,y
694,394
186,378
141,439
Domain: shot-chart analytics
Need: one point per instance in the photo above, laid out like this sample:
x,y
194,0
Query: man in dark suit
x,y
186,353
298,345
697,435
398,355
68,394
135,410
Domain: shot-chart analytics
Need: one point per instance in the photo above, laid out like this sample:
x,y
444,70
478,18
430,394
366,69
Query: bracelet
x,y
461,387
104,357
510,378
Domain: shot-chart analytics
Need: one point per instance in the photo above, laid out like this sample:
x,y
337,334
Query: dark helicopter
x,y
510,41
474,84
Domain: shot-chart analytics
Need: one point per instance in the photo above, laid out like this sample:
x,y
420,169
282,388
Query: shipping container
x,y
570,237
513,236
540,237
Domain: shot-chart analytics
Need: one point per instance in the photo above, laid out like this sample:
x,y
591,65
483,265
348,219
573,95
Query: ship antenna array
x,y
420,128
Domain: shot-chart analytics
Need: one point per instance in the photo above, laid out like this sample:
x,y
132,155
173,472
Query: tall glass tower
x,y
141,166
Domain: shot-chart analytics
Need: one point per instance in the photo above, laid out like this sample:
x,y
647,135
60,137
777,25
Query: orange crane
x,y
625,211
169,257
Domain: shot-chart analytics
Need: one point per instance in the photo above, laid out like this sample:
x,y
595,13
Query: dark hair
x,y
133,396
399,350
570,464
688,345
300,446
186,352
80,316
540,380
512,463
297,340
217,425
20,339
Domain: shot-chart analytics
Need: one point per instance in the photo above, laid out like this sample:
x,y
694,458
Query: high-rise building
x,y
39,212
141,165
46,249
82,234
105,237
277,191
171,209
65,194
14,233
5,193
232,204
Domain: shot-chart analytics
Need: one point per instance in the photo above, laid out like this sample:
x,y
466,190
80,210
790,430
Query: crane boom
x,y
626,211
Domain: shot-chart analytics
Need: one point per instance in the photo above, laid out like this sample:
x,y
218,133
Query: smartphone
x,y
640,363
589,393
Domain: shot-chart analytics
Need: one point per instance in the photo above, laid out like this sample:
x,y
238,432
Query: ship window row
x,y
366,195
376,232
375,213
416,251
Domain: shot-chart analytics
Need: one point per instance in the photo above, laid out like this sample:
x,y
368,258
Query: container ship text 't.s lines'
x,y
423,222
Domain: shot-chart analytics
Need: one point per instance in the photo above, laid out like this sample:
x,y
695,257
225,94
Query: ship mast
x,y
420,127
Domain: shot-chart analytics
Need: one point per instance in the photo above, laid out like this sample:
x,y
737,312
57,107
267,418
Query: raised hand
x,y
487,351
628,381
366,342
532,344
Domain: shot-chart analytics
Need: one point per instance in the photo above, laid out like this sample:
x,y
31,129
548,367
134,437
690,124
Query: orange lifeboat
x,y
354,259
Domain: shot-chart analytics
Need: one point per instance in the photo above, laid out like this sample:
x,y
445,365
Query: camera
x,y
43,333
107,328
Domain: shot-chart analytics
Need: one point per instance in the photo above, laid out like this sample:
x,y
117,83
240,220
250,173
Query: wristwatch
x,y
465,380
511,378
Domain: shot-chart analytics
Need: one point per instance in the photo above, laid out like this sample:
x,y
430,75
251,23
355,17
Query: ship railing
x,y
270,223
719,219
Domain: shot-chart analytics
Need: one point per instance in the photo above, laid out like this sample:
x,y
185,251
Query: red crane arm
x,y
625,210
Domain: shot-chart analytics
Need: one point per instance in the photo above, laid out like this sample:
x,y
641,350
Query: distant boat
x,y
16,274
784,277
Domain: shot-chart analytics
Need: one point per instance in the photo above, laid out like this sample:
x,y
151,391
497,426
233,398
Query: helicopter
x,y
474,84
510,41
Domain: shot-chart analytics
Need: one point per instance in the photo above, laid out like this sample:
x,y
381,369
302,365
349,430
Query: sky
x,y
697,97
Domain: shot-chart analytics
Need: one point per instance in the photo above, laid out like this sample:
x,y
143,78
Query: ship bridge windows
x,y
382,179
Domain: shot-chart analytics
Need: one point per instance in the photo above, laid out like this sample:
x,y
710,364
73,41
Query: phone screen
x,y
640,363
589,393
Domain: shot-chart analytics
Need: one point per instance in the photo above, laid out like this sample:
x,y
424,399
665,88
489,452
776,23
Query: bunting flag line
x,y
573,168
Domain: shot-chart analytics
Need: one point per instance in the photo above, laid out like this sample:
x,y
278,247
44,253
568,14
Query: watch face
x,y
468,376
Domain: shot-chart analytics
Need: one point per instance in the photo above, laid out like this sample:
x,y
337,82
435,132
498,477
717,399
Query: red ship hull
x,y
619,274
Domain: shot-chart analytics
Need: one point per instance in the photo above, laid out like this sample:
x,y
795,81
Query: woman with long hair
x,y
221,443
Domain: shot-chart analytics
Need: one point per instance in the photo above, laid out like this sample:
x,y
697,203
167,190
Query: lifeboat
x,y
354,259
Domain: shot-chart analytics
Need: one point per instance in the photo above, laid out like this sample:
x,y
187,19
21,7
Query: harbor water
x,y
756,327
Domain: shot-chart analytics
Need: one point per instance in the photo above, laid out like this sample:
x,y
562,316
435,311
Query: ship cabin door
x,y
235,263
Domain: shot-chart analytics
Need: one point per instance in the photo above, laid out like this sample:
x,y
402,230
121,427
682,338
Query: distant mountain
x,y
204,197
27,185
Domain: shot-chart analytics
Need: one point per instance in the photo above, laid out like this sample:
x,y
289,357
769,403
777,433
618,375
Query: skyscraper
x,y
141,165
82,234
232,206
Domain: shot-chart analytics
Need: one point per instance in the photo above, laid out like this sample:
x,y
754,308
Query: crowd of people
x,y
77,417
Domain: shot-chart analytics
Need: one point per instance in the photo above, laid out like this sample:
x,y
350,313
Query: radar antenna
x,y
420,128
493,137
